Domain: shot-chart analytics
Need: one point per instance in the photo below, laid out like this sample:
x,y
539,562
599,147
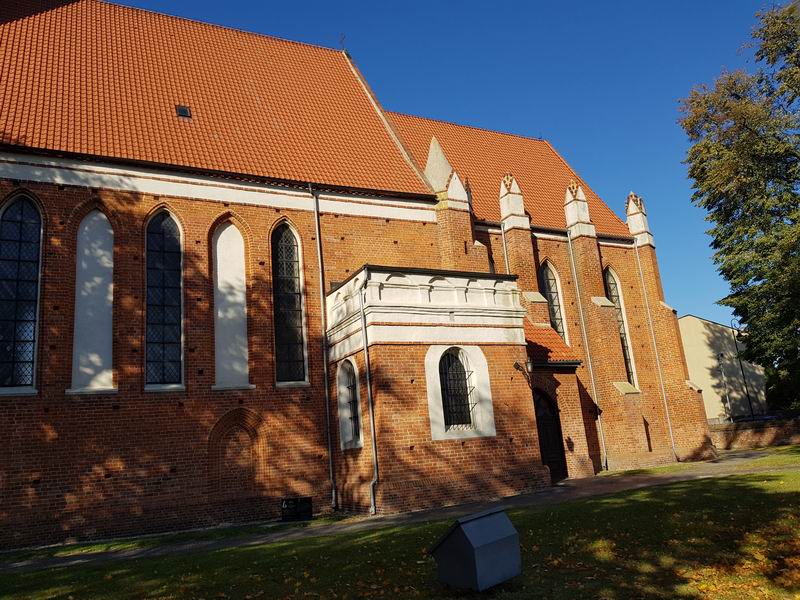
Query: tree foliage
x,y
744,161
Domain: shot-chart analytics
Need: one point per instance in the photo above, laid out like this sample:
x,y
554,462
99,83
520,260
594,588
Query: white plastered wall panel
x,y
92,354
483,413
230,308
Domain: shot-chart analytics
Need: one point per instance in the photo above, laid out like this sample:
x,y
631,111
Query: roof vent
x,y
183,111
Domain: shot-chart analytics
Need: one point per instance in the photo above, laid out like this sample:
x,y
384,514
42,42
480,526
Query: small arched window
x,y
455,379
20,257
164,341
551,290
349,408
614,294
290,364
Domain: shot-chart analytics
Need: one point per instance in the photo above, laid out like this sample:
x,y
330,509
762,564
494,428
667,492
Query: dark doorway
x,y
551,441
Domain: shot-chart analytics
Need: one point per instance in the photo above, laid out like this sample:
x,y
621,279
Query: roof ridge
x,y
216,25
486,129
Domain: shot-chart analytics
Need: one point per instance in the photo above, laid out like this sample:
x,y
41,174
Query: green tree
x,y
744,161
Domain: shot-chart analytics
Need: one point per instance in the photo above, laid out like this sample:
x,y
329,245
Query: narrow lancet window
x,y
20,256
614,293
164,341
551,290
290,364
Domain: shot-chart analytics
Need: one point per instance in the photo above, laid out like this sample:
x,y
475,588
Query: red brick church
x,y
229,276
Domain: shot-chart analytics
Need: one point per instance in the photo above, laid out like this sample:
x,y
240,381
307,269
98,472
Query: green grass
x,y
663,470
778,457
730,538
154,541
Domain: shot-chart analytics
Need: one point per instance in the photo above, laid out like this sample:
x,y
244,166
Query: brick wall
x,y
89,466
758,434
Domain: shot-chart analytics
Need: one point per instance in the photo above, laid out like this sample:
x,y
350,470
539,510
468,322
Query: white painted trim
x,y
627,246
603,302
483,415
341,403
421,334
292,384
582,229
301,272
163,386
625,388
21,390
231,388
549,236
61,171
489,229
517,222
668,307
90,391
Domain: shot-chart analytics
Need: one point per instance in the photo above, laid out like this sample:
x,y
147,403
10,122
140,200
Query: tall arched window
x,y
164,341
349,409
551,290
20,256
92,341
455,379
614,293
290,362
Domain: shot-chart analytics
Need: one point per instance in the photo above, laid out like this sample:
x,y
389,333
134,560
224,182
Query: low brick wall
x,y
731,436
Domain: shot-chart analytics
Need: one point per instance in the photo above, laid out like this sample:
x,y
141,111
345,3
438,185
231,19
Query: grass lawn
x,y
734,537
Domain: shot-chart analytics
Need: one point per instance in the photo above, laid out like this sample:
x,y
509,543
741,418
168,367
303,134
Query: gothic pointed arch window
x,y
550,287
164,335
614,294
20,274
455,379
349,408
287,293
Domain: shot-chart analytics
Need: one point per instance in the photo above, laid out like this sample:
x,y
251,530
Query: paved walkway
x,y
727,464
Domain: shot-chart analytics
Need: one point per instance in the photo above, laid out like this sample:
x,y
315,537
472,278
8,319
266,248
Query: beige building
x,y
732,388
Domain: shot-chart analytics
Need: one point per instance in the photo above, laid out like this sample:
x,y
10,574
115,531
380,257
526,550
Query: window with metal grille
x,y
548,281
349,384
20,242
290,362
614,294
164,341
455,379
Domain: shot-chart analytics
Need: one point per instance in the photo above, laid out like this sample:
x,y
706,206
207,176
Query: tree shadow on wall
x,y
88,466
737,383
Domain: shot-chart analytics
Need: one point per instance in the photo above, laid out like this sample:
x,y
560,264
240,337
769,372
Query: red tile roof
x,y
546,346
99,79
483,157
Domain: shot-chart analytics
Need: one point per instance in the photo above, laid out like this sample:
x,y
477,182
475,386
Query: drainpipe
x,y
655,351
588,351
324,337
505,248
373,507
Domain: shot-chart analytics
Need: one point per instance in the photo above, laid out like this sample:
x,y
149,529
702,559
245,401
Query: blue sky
x,y
600,80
